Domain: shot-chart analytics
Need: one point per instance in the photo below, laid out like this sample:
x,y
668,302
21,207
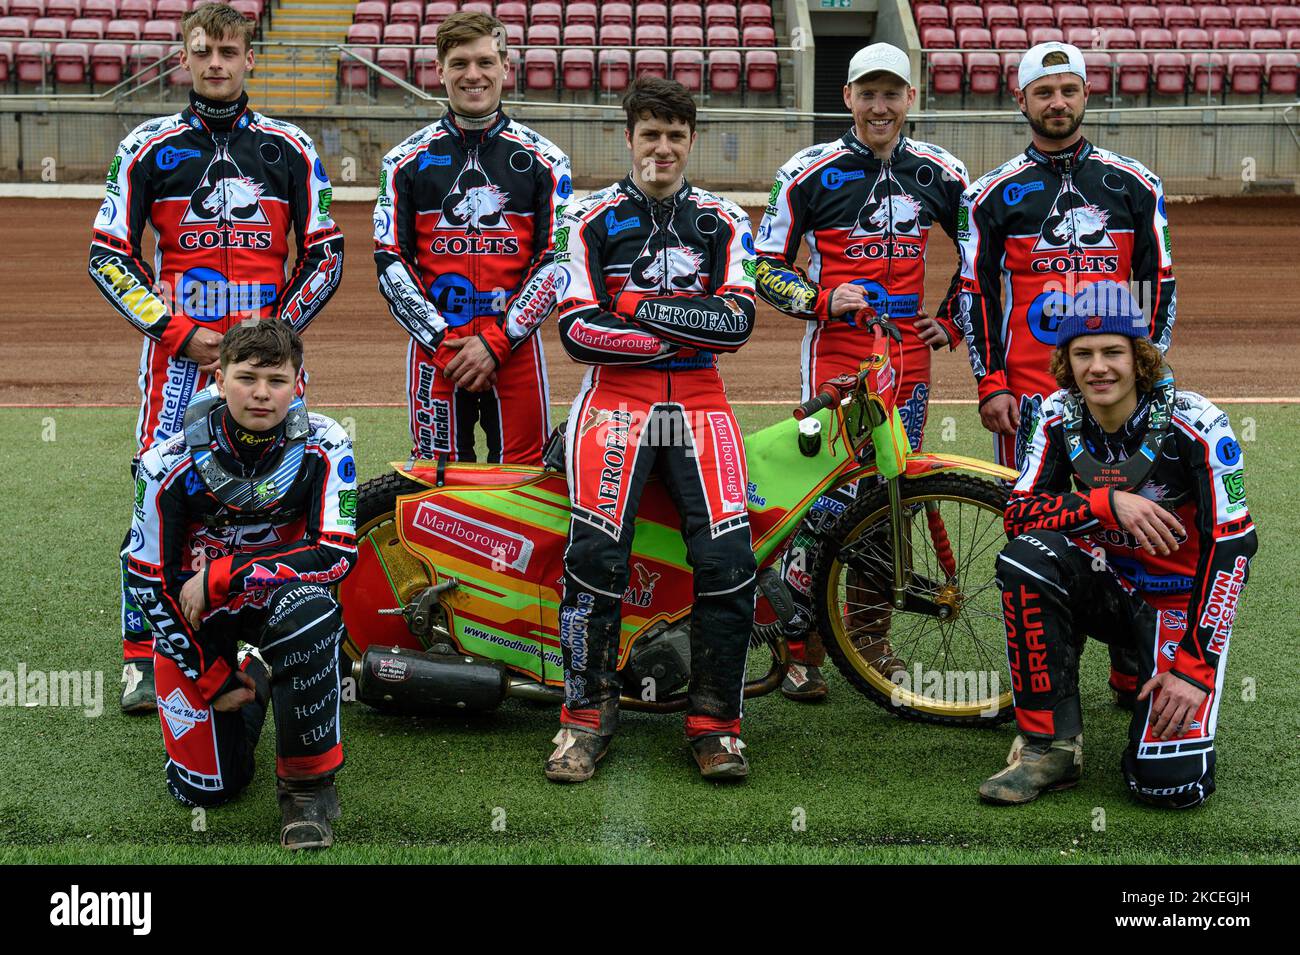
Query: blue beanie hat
x,y
1103,308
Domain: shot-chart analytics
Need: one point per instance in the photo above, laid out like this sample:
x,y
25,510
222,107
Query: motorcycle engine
x,y
663,657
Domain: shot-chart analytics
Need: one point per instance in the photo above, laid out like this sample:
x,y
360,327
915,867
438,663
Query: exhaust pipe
x,y
397,680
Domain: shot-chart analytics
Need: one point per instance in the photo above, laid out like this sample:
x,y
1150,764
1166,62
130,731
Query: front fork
x,y
898,519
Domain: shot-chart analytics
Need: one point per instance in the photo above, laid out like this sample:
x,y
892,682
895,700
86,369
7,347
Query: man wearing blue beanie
x,y
1128,522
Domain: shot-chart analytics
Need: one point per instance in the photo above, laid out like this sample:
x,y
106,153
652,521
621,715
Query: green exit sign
x,y
836,4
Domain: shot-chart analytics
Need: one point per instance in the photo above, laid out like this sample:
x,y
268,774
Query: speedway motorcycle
x,y
454,599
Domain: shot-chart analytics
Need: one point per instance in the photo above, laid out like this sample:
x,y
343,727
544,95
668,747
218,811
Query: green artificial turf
x,y
839,782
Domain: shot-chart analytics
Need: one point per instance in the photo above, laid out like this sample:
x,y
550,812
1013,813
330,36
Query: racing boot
x,y
576,755
139,695
1035,766
804,683
306,808
720,758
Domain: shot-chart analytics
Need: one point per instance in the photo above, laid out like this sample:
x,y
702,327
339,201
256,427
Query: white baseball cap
x,y
880,58
1032,68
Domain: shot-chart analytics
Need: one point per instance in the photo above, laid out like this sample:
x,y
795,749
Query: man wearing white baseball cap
x,y
866,204
1038,229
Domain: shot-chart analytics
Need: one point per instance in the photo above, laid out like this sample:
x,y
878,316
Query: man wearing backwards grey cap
x,y
1043,226
1128,523
865,204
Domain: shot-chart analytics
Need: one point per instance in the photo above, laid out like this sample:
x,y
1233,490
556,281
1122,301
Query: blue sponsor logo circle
x,y
1045,314
319,170
169,157
108,210
747,242
1228,450
1016,191
834,178
348,469
1161,206
564,188
208,296
460,302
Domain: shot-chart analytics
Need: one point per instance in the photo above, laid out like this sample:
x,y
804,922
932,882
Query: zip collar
x,y
851,142
215,117
1064,161
659,209
474,136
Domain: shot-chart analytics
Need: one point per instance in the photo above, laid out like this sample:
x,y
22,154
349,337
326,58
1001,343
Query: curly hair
x,y
1147,362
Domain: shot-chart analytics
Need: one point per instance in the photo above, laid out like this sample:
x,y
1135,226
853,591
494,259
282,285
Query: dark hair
x,y
666,100
466,27
219,21
1056,58
1147,362
266,342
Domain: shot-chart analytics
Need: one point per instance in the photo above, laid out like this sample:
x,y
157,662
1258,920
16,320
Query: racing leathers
x,y
1070,569
1033,233
221,186
648,292
865,221
267,564
463,226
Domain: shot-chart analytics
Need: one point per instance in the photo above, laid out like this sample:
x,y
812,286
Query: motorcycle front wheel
x,y
942,657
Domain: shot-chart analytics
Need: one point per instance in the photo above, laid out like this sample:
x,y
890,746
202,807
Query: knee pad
x,y
1030,554
1182,782
723,564
305,623
596,561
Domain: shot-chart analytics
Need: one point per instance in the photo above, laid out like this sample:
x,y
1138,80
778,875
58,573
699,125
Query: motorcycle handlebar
x,y
826,399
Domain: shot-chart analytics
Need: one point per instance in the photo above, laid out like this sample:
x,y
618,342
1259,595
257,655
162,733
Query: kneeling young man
x,y
241,523
655,278
1129,523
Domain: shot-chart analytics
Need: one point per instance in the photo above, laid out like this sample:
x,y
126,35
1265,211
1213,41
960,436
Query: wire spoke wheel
x,y
942,658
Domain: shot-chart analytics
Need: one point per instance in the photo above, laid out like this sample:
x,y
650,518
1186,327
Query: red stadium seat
x,y
476,6
1176,16
1293,39
1229,40
102,10
353,74
171,9
1261,39
1119,38
651,63
512,77
70,62
1010,38
27,8
1105,15
615,70
395,61
1192,38
546,14
983,72
1011,70
1155,38
143,59
930,15
724,71
428,35
251,9
1249,18
1171,73
578,69
965,15
687,35
513,13
946,72
1134,73
540,68
1000,15
370,12
163,31
1045,35
400,33
543,34
84,29
1246,73
1083,37
617,13
580,34
719,15
653,15
755,15
1207,72
367,34
1144,16
688,15
437,12
580,14
68,9
761,71
122,30
1034,15
424,72
141,10
1099,72
723,36
107,64
1285,18
406,11
1282,70
1070,16
6,60
514,33
29,62
651,34
1214,17
688,69
974,38
938,38
615,34
757,37
48,28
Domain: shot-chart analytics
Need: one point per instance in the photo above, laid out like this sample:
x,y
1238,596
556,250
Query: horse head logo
x,y
480,207
1085,224
677,266
898,214
234,197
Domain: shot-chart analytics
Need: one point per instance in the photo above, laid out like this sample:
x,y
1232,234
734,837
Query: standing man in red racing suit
x,y
241,524
654,277
1043,226
1128,522
865,205
463,227
221,186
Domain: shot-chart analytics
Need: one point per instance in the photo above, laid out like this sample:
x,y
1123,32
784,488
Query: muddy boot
x,y
720,757
138,695
576,755
1035,766
804,683
305,812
